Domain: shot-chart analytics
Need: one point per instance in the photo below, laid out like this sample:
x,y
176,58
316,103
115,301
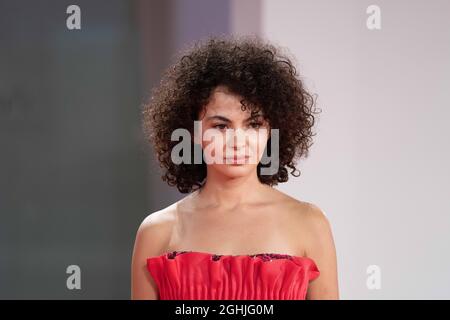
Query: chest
x,y
236,232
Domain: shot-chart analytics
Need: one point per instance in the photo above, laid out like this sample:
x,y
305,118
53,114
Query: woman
x,y
234,236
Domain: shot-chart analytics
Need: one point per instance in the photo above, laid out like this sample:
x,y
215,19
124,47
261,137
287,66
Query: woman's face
x,y
232,141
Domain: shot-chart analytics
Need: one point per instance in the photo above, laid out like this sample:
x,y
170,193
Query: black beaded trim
x,y
173,254
216,257
270,256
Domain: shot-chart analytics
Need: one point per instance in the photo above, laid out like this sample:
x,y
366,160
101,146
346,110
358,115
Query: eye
x,y
255,125
220,126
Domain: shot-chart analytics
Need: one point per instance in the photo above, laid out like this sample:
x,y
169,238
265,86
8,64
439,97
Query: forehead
x,y
225,103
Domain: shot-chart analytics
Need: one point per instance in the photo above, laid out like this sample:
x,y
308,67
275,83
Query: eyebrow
x,y
218,117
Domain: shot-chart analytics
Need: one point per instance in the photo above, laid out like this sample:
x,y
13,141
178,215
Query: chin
x,y
236,171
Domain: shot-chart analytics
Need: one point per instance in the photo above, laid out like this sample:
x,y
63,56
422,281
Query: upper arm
x,y
151,240
321,248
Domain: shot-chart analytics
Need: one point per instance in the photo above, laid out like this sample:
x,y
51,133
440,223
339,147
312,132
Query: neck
x,y
222,191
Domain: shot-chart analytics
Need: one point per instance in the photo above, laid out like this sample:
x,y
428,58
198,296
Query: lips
x,y
236,158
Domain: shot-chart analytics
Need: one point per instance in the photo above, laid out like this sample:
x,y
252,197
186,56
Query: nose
x,y
238,139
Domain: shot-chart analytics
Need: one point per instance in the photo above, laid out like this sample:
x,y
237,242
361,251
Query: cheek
x,y
259,142
213,141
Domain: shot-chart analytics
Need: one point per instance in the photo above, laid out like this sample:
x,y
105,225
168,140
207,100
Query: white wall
x,y
379,165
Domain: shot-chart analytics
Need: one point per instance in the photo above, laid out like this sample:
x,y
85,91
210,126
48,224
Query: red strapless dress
x,y
193,275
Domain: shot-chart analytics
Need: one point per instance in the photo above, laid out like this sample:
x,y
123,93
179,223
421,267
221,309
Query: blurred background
x,y
77,177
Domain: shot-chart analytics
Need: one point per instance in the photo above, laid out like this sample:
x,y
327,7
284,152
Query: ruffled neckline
x,y
264,256
202,275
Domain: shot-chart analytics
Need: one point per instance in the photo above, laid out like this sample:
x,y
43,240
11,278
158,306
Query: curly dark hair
x,y
255,70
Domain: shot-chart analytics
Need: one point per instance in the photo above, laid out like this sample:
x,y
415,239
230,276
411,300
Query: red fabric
x,y
191,275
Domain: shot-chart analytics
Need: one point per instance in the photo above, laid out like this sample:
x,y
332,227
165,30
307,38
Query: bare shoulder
x,y
314,217
159,219
306,215
155,230
308,222
315,234
152,238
